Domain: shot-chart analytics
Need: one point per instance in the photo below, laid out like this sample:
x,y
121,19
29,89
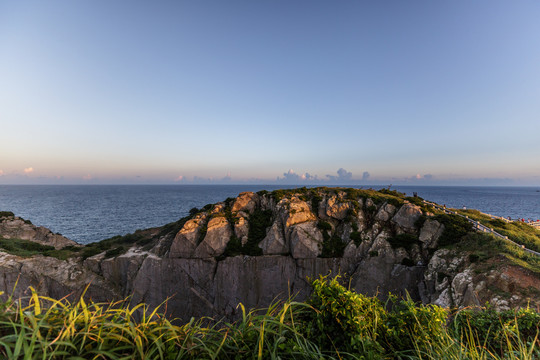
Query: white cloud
x,y
28,170
342,175
293,177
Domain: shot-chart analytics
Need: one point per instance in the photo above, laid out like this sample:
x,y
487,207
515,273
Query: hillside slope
x,y
261,246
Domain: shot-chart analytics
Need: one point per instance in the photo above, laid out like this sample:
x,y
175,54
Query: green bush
x,y
342,319
259,221
332,246
356,237
498,330
4,214
114,252
411,326
351,322
406,241
455,228
26,248
315,201
90,251
324,226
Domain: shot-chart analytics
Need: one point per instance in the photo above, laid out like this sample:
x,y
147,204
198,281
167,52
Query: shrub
x,y
324,226
4,214
332,246
455,228
315,201
259,221
499,331
356,237
24,248
410,326
90,251
342,319
114,252
406,241
233,248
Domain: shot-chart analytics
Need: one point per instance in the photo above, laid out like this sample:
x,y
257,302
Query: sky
x,y
296,92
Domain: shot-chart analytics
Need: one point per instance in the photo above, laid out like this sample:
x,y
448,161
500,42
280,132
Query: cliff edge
x,y
261,246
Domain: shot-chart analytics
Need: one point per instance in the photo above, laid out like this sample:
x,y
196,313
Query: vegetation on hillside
x,y
517,231
334,323
458,232
27,248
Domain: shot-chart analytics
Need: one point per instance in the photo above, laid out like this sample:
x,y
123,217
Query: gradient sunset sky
x,y
355,92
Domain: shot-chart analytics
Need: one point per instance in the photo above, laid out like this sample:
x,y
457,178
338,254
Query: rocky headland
x,y
263,246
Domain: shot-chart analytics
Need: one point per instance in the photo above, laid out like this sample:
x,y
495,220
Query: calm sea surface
x,y
91,213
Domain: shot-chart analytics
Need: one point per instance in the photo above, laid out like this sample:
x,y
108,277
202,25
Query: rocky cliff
x,y
261,246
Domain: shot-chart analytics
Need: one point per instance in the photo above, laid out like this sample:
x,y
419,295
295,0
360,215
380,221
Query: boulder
x,y
430,233
274,242
246,201
336,208
297,212
406,217
306,241
385,212
217,236
241,229
185,242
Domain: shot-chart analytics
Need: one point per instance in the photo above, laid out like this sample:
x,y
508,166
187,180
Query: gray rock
x,y
430,233
16,228
306,241
187,239
217,236
407,216
274,242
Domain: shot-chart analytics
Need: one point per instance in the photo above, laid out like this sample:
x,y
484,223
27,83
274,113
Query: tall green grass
x,y
334,323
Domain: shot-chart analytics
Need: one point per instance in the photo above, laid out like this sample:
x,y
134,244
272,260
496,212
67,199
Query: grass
x,y
334,323
119,244
26,248
519,232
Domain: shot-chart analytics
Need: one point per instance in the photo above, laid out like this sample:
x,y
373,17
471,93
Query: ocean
x,y
88,213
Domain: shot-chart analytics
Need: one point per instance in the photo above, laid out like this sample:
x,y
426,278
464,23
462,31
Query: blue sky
x,y
402,92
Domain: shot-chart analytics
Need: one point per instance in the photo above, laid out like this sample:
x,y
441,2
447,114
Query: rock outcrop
x,y
13,227
261,247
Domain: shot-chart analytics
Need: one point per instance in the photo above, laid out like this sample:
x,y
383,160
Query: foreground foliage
x,y
334,323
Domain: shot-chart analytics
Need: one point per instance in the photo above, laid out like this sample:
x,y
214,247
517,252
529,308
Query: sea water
x,y
88,213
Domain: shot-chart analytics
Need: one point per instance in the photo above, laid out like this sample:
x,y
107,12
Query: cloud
x,y
179,178
28,170
342,175
87,177
226,178
292,177
418,177
365,176
1,172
